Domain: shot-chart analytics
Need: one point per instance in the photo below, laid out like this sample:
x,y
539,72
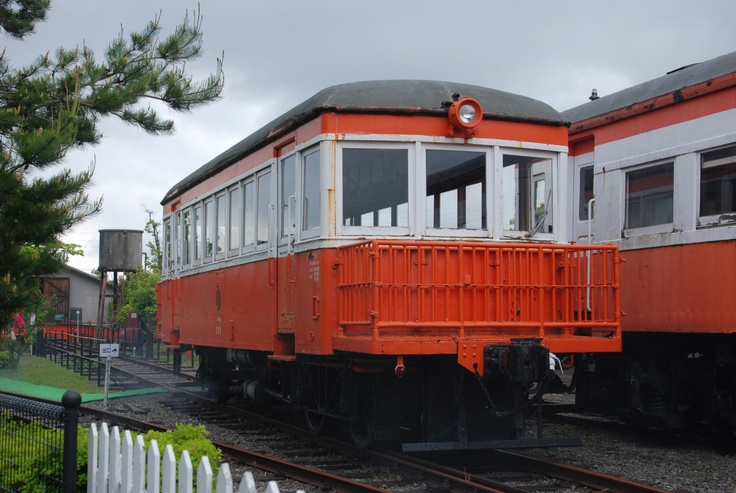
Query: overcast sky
x,y
279,53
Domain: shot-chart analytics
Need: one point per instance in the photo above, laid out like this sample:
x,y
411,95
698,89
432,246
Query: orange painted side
x,y
655,114
240,307
409,297
439,127
687,288
582,146
232,307
403,298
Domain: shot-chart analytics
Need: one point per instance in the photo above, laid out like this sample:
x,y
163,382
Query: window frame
x,y
302,207
197,209
208,221
166,266
344,230
583,215
722,218
428,231
652,228
234,222
266,170
287,205
186,237
551,170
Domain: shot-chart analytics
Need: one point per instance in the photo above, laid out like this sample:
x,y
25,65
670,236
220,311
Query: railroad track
x,y
286,451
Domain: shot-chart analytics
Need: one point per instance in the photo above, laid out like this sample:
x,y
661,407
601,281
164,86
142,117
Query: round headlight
x,y
467,113
464,114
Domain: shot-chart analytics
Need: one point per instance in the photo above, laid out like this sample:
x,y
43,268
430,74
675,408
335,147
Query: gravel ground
x,y
669,462
672,463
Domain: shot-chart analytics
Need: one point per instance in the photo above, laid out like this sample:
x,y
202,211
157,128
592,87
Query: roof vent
x,y
594,95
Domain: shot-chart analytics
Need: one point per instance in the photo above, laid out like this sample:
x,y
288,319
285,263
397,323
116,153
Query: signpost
x,y
108,351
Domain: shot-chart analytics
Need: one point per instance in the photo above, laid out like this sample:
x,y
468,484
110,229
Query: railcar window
x,y
586,191
264,206
649,196
249,214
456,189
288,191
186,226
168,260
197,232
176,230
220,201
526,194
234,215
375,186
209,228
718,182
310,207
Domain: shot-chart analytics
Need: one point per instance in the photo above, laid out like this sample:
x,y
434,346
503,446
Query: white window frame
x,y
304,234
421,182
342,229
237,221
550,185
655,228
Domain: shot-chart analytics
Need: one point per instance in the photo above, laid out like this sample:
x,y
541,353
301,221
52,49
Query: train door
x,y
285,260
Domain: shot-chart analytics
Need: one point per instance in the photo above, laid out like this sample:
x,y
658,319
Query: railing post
x,y
71,400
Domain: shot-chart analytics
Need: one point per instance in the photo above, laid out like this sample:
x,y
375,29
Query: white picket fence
x,y
123,466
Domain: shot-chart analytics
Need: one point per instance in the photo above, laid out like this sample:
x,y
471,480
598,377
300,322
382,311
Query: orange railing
x,y
393,288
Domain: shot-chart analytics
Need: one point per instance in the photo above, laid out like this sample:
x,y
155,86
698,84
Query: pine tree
x,y
54,105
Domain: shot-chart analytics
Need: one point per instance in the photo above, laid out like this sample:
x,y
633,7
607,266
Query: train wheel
x,y
218,392
315,422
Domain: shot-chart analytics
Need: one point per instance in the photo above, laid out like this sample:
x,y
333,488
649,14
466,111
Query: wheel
x,y
218,392
315,422
361,432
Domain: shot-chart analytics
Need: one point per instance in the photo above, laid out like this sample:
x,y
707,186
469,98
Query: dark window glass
x,y
375,184
456,189
586,191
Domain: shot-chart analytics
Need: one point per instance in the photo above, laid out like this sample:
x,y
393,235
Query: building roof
x,y
416,97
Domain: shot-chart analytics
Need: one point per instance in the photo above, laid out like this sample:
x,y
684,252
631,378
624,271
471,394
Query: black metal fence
x,y
35,438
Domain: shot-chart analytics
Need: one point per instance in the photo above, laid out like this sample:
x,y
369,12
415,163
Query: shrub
x,y
37,463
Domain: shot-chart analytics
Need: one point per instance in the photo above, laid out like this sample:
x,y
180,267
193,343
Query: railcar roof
x,y
667,84
387,96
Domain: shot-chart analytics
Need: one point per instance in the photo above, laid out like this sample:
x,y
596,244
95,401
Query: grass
x,y
41,371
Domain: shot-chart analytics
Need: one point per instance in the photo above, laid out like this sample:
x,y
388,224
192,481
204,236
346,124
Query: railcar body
x,y
659,159
392,256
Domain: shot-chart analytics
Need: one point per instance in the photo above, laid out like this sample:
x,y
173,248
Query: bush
x,y
36,462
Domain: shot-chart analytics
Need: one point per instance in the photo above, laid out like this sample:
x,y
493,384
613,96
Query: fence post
x,y
71,400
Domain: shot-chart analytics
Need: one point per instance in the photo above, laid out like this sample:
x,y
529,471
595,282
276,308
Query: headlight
x,y
465,113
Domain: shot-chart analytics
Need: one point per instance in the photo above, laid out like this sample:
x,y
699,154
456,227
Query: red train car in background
x,y
392,257
659,159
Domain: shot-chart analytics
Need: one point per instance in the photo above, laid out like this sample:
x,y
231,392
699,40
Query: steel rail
x,y
592,479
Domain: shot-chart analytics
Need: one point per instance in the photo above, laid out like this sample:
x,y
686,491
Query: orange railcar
x,y
660,160
392,256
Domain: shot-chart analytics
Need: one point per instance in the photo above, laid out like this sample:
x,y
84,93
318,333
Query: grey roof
x,y
671,83
387,96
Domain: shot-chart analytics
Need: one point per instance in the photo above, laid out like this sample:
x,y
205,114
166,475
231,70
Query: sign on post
x,y
109,350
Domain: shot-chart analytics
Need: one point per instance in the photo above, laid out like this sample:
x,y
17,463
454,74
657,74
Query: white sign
x,y
109,350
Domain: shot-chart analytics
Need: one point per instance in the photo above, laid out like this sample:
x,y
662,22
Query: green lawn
x,y
41,371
